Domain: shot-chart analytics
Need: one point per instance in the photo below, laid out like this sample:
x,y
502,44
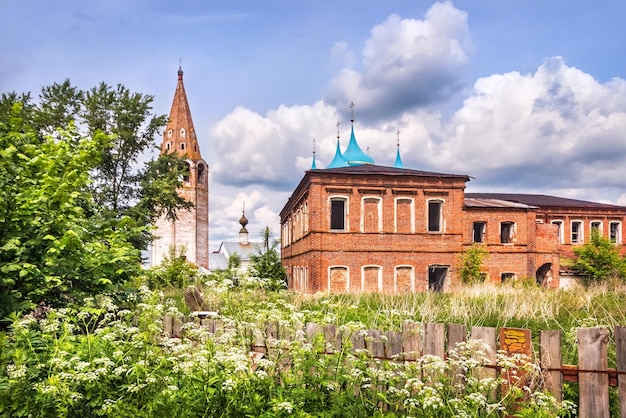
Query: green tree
x,y
599,260
471,264
125,182
51,250
266,262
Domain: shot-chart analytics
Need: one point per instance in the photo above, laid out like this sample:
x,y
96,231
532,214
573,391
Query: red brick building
x,y
360,227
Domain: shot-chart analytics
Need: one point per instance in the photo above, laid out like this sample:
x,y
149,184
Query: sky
x,y
524,96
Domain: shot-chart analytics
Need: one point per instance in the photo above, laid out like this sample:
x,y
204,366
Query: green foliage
x,y
599,260
51,250
174,272
122,186
105,361
471,263
266,264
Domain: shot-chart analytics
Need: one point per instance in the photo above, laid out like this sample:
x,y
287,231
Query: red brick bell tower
x,y
191,229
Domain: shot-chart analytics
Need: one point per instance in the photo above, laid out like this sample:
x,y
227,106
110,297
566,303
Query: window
x,y
437,278
169,133
405,219
478,231
338,214
371,219
597,226
577,232
201,177
434,216
559,224
338,279
507,277
615,232
404,280
186,173
182,132
507,231
182,145
168,146
371,279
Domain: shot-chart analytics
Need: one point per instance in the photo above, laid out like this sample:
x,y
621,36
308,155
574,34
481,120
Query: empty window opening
x,y
186,172
168,146
434,215
615,232
338,214
201,176
507,230
577,232
478,232
544,274
597,227
507,277
559,224
437,278
182,145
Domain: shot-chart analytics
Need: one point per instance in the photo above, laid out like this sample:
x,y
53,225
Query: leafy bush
x,y
599,260
471,263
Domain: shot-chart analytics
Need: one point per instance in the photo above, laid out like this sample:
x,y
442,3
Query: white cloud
x,y
558,127
407,63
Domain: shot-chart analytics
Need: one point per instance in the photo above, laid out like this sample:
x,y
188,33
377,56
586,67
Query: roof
x,y
388,171
245,251
472,202
354,155
338,160
180,129
543,201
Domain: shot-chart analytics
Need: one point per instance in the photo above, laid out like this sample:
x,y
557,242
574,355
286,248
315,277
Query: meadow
x,y
110,357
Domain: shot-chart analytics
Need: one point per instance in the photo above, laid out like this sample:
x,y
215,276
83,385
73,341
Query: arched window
x,y
183,133
201,173
186,173
338,279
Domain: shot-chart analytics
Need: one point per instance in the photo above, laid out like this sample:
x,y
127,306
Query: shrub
x,y
599,260
471,263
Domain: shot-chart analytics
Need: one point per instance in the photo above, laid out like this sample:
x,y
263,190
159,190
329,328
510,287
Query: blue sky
x,y
524,96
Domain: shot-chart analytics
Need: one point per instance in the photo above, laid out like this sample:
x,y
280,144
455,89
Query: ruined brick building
x,y
359,227
191,229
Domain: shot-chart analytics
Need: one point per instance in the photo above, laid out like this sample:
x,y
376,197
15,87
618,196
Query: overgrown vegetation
x,y
103,360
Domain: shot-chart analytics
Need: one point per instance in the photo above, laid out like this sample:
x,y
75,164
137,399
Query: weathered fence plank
x,y
456,334
551,362
434,340
411,344
592,377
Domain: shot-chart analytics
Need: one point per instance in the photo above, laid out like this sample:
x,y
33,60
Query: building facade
x,y
191,228
360,227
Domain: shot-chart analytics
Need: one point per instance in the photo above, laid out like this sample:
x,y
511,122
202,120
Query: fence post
x,y
593,387
620,349
550,355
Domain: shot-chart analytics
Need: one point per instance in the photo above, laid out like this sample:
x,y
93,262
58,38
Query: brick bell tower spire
x,y
191,228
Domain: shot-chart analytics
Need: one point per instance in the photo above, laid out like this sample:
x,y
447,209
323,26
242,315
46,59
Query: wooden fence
x,y
414,340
